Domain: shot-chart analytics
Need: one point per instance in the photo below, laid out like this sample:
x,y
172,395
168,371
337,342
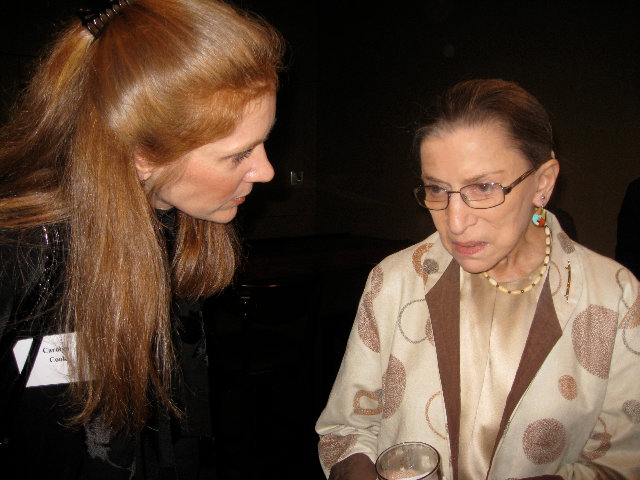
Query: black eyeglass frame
x,y
505,190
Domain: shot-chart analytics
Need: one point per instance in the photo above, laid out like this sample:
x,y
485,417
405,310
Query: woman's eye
x,y
434,190
241,156
485,187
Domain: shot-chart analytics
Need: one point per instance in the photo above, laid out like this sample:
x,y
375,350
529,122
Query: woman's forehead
x,y
469,152
476,141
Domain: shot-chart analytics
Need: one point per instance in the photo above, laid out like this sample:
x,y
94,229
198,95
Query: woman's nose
x,y
459,214
262,170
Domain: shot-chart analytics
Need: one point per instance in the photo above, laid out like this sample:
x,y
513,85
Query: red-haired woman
x,y
130,152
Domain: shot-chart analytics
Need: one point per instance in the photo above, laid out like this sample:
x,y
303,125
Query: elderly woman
x,y
512,350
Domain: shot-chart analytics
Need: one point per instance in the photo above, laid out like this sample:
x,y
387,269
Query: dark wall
x,y
359,77
379,67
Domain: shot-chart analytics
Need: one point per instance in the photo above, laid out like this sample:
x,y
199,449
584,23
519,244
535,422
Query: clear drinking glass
x,y
409,461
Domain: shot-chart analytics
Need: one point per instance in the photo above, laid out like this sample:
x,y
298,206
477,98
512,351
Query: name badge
x,y
51,366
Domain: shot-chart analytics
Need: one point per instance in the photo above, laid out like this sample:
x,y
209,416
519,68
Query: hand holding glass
x,y
409,461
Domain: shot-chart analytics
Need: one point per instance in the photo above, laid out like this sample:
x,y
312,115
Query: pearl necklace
x,y
543,269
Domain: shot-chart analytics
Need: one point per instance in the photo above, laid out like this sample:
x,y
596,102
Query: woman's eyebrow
x,y
253,144
466,181
430,179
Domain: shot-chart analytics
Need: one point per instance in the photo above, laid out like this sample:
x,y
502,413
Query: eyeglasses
x,y
476,195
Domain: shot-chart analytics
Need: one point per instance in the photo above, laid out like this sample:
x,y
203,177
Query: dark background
x,y
359,77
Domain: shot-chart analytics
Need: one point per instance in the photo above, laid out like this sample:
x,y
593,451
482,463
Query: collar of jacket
x,y
443,300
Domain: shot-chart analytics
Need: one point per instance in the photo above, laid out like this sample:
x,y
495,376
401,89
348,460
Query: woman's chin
x,y
472,266
222,216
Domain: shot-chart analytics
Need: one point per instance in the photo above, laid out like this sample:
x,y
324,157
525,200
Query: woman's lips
x,y
240,199
468,248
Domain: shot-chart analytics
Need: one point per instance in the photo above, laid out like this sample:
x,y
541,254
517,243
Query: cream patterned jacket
x,y
574,407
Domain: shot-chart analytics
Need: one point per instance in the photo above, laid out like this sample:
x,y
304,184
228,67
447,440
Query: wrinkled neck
x,y
525,258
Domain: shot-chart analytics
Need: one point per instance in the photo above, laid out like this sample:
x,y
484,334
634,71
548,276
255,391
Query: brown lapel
x,y
444,308
443,301
543,335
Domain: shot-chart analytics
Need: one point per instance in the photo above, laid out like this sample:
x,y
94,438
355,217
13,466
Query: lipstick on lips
x,y
468,248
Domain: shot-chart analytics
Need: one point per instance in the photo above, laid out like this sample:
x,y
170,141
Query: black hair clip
x,y
96,20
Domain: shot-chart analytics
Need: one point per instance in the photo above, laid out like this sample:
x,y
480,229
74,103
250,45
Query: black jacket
x,y
32,419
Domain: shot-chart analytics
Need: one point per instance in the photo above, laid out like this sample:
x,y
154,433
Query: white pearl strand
x,y
543,269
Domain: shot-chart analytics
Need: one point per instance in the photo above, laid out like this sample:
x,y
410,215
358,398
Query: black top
x,y
36,442
628,241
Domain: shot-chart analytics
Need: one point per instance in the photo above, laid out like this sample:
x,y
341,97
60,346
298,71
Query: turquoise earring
x,y
539,218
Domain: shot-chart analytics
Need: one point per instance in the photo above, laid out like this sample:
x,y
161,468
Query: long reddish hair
x,y
164,77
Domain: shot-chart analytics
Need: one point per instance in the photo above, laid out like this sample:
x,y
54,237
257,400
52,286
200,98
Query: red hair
x,y
164,77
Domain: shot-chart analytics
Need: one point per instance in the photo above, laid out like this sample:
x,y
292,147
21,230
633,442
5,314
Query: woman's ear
x,y
144,166
547,175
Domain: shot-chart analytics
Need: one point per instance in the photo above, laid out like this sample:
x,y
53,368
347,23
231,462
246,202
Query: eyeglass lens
x,y
477,195
480,195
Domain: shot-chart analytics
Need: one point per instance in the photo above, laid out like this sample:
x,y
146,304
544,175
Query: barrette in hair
x,y
97,19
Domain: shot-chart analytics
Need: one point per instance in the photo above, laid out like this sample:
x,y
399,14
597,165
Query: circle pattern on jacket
x,y
566,243
367,403
423,269
568,387
367,325
593,335
394,382
416,333
605,443
631,409
555,278
440,407
544,440
632,317
333,448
